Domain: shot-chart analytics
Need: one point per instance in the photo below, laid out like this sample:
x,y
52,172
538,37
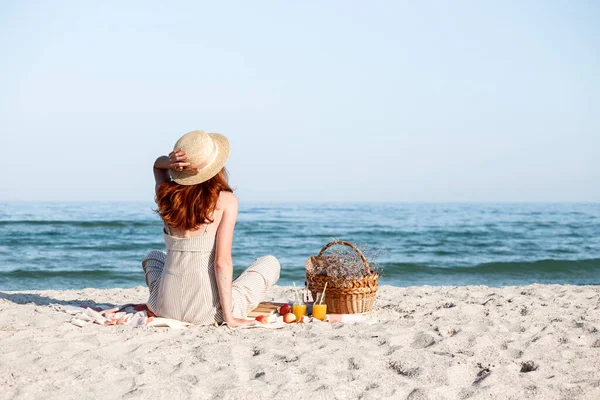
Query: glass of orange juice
x,y
299,310
319,310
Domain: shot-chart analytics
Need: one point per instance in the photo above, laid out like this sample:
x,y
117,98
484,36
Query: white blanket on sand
x,y
126,315
137,315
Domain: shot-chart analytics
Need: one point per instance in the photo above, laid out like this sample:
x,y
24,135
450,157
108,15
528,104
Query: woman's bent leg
x,y
153,266
252,285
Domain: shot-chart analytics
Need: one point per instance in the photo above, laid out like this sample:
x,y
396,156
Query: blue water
x,y
77,245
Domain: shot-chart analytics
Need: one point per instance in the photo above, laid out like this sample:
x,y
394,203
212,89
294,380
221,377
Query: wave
x,y
515,267
21,279
69,274
585,271
521,268
82,224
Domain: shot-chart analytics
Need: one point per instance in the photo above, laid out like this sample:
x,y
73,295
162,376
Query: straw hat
x,y
206,151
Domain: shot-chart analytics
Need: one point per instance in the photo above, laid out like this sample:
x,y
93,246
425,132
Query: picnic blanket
x,y
130,314
135,315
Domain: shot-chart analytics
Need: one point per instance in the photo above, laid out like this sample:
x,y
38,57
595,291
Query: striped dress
x,y
183,285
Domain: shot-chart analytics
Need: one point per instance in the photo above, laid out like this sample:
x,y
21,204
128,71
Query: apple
x,y
284,309
289,318
262,319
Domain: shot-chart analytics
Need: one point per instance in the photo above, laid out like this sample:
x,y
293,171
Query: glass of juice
x,y
319,310
299,310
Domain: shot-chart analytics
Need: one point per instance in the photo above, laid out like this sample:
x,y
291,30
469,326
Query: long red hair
x,y
186,207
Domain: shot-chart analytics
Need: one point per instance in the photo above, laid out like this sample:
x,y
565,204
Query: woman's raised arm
x,y
176,161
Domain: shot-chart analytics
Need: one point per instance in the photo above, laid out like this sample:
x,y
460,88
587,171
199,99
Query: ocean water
x,y
78,245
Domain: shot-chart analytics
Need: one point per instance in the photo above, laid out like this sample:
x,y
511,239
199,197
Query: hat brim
x,y
209,171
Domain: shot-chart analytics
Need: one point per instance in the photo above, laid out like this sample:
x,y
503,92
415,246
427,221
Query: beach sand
x,y
476,342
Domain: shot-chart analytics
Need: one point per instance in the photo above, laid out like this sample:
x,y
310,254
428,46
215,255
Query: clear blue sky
x,y
322,101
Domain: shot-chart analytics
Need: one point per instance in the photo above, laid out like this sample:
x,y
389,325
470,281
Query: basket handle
x,y
360,253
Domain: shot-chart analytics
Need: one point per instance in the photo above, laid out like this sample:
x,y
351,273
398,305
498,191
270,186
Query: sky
x,y
337,101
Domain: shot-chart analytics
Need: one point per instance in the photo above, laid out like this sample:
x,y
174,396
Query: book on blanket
x,y
265,308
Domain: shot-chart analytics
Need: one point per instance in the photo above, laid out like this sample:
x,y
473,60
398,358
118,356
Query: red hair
x,y
186,207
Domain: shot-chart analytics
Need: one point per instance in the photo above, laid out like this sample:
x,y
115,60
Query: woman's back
x,y
187,288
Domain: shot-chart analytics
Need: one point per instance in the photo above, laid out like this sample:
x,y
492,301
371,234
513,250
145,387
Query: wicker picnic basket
x,y
350,296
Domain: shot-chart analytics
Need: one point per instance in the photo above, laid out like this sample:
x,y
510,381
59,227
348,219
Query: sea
x,y
101,245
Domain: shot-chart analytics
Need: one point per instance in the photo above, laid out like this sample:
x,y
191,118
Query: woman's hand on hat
x,y
178,161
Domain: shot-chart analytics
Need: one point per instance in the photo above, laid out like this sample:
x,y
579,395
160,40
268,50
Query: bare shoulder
x,y
228,201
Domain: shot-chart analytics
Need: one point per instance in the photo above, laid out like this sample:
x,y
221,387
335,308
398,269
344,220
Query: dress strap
x,y
206,229
166,228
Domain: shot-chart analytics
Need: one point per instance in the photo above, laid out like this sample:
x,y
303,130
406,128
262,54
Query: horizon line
x,y
329,201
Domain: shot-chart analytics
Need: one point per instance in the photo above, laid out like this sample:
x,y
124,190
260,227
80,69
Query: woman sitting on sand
x,y
192,281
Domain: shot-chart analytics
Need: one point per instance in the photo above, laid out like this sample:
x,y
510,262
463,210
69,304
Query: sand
x,y
538,341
